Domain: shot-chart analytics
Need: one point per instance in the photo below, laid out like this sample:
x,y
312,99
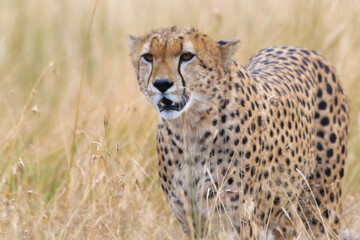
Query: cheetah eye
x,y
186,56
148,57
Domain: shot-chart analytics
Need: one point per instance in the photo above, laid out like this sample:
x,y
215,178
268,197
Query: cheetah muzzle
x,y
166,104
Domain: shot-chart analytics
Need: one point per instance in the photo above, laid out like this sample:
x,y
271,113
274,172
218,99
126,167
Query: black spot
x,y
341,173
337,220
328,88
242,102
318,159
222,132
240,74
320,64
313,221
332,197
288,161
333,138
247,167
320,134
326,213
328,172
327,70
329,153
319,93
324,121
223,118
254,88
207,134
259,121
322,105
246,187
262,215
305,51
252,106
276,200
319,146
319,78
244,140
253,171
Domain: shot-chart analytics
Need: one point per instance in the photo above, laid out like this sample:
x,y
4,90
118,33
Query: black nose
x,y
162,84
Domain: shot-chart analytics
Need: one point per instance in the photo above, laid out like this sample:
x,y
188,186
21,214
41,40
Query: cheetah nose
x,y
162,84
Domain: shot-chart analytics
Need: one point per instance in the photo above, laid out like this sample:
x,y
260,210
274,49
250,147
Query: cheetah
x,y
253,152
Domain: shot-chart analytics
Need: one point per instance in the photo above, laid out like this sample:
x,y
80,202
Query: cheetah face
x,y
175,68
164,81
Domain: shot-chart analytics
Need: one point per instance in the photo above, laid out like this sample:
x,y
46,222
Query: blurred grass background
x,y
106,187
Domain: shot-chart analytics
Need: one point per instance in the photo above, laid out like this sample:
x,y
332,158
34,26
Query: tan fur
x,y
257,150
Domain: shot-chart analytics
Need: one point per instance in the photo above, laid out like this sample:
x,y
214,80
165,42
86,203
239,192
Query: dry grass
x,y
104,185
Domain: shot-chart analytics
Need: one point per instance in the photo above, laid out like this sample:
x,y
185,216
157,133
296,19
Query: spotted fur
x,y
258,149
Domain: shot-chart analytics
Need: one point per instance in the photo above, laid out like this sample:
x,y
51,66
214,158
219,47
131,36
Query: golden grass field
x,y
77,138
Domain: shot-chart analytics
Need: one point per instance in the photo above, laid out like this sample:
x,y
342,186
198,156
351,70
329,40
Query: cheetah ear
x,y
227,49
133,41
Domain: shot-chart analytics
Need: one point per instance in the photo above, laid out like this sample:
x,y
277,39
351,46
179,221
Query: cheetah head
x,y
178,68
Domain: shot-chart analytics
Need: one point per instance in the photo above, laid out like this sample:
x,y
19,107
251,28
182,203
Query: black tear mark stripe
x,y
182,78
138,77
138,72
150,74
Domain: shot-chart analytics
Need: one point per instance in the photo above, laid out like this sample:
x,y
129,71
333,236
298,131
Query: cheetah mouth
x,y
166,104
